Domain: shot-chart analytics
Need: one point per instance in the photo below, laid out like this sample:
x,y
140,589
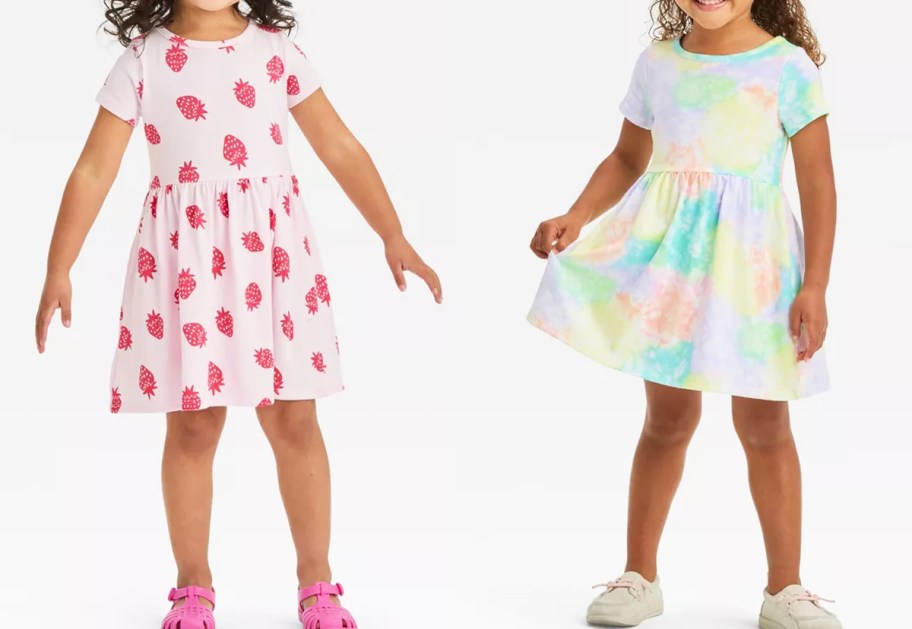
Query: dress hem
x,y
235,404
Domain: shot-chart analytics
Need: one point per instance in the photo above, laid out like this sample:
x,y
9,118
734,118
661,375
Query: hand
x,y
401,257
556,235
808,321
57,293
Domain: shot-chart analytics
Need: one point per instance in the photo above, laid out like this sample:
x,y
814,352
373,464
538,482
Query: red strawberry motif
x,y
195,217
275,69
224,322
245,93
145,264
192,108
277,380
132,122
147,381
275,132
288,326
178,41
187,173
176,58
218,262
174,239
121,313
268,28
190,400
156,184
223,203
216,379
126,339
244,184
252,242
286,203
152,134
253,296
281,265
169,188
294,186
264,402
322,288
115,400
306,245
272,219
313,303
185,284
195,334
292,86
264,358
317,361
153,207
234,151
155,325
139,90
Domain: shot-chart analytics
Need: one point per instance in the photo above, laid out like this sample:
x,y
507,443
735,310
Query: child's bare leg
x,y
303,469
187,488
775,481
672,416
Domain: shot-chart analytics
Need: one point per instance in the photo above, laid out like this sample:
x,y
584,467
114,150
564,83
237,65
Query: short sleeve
x,y
801,98
301,79
121,93
635,105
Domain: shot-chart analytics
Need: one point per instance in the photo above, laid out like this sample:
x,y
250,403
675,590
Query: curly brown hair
x,y
777,17
126,19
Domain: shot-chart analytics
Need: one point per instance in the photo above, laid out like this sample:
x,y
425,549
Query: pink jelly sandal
x,y
192,614
324,614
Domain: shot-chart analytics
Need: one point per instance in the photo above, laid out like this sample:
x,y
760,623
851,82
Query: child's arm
x,y
353,168
817,192
610,182
83,196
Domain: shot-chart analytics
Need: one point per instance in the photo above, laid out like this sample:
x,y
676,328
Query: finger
x,y
398,274
41,326
430,278
564,241
535,245
548,233
66,314
795,323
815,340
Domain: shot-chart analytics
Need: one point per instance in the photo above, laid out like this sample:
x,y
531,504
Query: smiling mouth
x,y
710,5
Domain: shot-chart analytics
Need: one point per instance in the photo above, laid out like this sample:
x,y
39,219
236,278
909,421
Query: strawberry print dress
x,y
225,300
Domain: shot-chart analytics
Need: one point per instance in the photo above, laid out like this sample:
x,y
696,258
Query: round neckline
x,y
207,43
735,56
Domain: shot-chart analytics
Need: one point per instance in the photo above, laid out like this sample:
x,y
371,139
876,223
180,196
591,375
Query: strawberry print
x,y
272,219
190,400
147,382
253,296
286,203
139,90
275,132
275,69
244,184
116,402
192,108
215,380
156,184
264,403
223,203
307,245
218,262
228,49
224,322
195,217
187,173
185,283
155,325
145,264
313,302
174,237
264,358
292,86
153,207
234,151
322,288
288,326
169,188
178,41
132,122
268,28
152,135
277,381
280,263
245,93
176,58
126,339
294,186
121,313
316,360
195,334
252,242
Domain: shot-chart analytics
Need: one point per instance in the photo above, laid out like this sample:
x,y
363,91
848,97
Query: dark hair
x,y
127,19
777,17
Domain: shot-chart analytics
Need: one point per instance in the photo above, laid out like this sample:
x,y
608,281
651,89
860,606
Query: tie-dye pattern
x,y
688,282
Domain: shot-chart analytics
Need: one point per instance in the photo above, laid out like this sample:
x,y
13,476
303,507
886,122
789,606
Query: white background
x,y
480,468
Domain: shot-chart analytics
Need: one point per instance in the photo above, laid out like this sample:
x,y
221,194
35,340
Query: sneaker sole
x,y
766,623
596,621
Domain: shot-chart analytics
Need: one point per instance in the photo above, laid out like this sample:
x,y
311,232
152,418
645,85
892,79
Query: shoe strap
x,y
320,590
192,593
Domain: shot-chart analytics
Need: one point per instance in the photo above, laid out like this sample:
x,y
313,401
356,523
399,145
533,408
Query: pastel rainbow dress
x,y
688,281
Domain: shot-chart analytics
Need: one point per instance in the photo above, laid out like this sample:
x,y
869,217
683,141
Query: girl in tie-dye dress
x,y
698,278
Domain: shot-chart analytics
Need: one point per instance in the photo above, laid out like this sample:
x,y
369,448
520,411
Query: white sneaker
x,y
795,608
626,602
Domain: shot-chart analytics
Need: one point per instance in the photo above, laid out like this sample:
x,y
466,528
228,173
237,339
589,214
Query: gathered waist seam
x,y
714,172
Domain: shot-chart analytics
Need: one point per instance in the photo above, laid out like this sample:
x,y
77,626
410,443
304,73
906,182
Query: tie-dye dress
x,y
688,281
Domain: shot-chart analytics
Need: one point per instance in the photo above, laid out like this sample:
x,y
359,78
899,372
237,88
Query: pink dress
x,y
225,300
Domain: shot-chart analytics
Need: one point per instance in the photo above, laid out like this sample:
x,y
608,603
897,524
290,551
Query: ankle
x,y
199,578
311,572
648,572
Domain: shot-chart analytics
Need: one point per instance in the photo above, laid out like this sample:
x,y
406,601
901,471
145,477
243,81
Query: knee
x,y
290,425
762,424
196,432
671,423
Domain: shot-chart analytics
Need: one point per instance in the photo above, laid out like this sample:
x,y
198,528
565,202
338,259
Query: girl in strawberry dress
x,y
225,300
